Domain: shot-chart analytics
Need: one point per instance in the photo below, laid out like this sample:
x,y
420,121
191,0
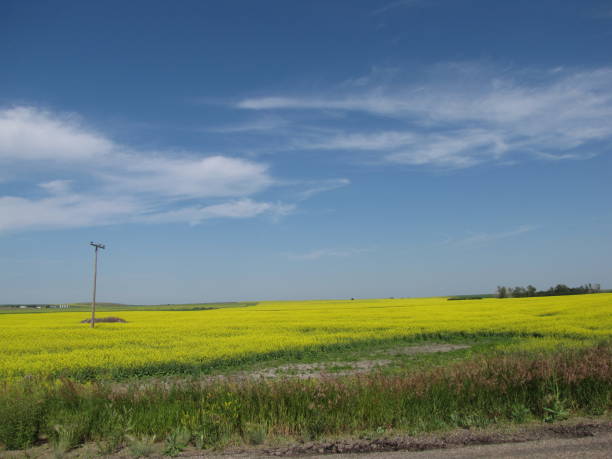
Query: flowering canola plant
x,y
166,342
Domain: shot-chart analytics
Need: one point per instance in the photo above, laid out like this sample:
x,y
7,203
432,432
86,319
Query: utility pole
x,y
93,303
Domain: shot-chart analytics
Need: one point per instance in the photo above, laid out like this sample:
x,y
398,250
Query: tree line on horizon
x,y
559,289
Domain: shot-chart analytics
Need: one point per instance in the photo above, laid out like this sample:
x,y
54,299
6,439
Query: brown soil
x,y
427,349
317,370
574,429
100,320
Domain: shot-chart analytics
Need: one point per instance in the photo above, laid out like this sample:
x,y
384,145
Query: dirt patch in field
x,y
343,368
319,369
427,349
296,370
102,320
315,370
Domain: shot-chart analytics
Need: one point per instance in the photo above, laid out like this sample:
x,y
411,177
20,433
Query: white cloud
x,y
484,237
190,177
367,103
320,253
83,210
65,211
261,124
243,208
458,149
56,187
117,184
361,141
265,103
28,133
464,114
562,157
40,136
323,186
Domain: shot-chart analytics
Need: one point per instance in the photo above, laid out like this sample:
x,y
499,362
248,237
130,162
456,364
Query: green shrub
x,y
254,434
177,441
141,446
21,411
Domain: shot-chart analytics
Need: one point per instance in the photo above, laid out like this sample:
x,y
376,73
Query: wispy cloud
x,y
56,187
461,148
106,182
385,140
460,115
321,253
323,186
397,4
483,237
261,124
66,211
243,208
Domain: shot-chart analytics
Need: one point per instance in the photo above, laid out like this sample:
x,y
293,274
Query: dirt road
x,y
596,447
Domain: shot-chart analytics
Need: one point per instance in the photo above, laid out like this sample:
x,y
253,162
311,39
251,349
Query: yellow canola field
x,y
154,342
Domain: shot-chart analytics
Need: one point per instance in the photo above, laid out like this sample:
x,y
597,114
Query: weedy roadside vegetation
x,y
486,390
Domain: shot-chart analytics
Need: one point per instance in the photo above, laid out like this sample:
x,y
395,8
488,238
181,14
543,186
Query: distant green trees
x,y
559,289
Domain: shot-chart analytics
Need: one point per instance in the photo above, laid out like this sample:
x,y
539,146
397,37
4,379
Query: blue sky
x,y
242,150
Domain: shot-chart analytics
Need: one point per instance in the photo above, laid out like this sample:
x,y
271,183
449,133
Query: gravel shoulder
x,y
595,447
578,437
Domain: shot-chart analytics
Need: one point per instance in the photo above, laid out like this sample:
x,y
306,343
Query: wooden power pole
x,y
93,303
